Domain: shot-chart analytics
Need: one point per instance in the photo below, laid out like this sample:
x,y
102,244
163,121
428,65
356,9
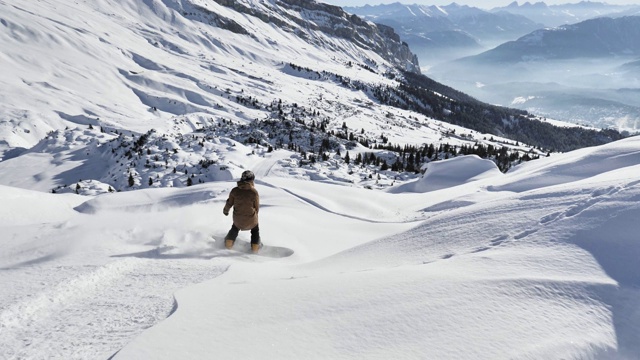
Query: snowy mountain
x,y
563,14
437,33
115,64
399,216
160,94
571,73
633,65
597,38
634,11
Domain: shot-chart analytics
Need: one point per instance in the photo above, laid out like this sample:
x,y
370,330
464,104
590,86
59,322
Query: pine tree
x,y
384,166
131,180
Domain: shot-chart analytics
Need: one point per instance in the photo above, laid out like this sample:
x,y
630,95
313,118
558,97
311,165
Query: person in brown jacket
x,y
245,201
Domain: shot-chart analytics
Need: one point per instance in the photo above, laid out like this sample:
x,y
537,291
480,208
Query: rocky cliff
x,y
307,18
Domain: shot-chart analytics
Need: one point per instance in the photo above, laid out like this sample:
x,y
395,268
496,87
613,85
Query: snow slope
x,y
545,272
139,65
463,262
530,264
79,91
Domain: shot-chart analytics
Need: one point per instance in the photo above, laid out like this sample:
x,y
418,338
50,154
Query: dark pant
x,y
233,234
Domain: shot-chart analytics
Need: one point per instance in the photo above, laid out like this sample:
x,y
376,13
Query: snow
x,y
460,262
519,100
530,264
452,172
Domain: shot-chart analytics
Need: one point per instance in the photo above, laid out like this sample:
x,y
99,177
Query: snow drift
x,y
545,273
453,172
548,271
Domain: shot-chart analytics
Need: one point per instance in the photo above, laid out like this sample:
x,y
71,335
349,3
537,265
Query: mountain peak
x,y
538,5
310,15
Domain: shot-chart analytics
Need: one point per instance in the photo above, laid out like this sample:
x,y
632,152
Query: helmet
x,y
247,176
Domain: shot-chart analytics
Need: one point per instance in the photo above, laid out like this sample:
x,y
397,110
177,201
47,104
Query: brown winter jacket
x,y
245,202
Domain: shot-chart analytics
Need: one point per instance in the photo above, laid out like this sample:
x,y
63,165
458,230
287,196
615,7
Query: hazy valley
x,y
582,72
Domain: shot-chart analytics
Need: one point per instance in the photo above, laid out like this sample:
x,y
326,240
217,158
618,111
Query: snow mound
x,y
22,207
577,165
453,172
146,200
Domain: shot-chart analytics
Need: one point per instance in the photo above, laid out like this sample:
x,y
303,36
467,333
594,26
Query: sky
x,y
486,4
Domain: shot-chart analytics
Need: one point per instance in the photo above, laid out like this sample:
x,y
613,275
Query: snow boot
x,y
256,247
228,243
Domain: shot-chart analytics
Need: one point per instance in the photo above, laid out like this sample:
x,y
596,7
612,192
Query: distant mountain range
x,y
556,15
479,24
438,34
447,31
582,53
585,73
595,38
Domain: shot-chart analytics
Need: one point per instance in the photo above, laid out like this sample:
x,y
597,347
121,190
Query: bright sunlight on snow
x,y
125,125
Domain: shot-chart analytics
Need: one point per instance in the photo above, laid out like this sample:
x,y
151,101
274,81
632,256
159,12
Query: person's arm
x,y
257,204
229,203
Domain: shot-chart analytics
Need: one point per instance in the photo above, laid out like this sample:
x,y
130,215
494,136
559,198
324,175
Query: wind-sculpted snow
x,y
452,172
55,283
545,273
145,201
584,164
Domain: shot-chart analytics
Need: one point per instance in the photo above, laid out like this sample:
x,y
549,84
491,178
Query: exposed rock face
x,y
305,18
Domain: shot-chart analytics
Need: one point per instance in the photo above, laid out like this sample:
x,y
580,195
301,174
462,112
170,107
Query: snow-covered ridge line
x,y
332,20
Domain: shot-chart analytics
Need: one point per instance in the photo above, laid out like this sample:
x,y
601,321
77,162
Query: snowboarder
x,y
245,201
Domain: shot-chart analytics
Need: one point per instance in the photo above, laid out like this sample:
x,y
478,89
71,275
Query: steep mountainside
x,y
118,60
305,18
176,92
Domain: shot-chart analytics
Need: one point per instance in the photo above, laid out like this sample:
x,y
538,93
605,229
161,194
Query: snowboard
x,y
245,247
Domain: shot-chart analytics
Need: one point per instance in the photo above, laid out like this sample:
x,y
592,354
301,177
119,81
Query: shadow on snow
x,y
241,248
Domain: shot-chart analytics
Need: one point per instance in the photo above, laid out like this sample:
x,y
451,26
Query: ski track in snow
x,y
115,302
315,204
